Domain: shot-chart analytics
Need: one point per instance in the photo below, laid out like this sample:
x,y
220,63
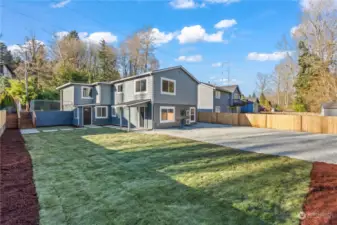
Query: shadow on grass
x,y
105,176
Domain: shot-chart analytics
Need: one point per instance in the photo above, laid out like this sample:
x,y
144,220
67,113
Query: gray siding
x,y
223,102
68,98
105,94
186,88
178,108
129,91
205,98
78,100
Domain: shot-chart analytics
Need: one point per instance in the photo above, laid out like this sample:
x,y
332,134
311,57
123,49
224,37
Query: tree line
x,y
307,76
70,59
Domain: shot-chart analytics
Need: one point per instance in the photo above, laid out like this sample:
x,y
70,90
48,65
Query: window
x,y
113,111
192,114
168,86
119,88
101,112
76,113
217,109
86,92
167,114
217,94
140,86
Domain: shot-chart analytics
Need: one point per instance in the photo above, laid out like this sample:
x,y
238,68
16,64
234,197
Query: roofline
x,y
218,88
71,83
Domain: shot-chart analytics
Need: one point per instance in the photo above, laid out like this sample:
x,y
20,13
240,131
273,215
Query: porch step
x,y
25,121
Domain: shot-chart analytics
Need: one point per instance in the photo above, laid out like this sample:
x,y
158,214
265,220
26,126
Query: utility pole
x,y
228,70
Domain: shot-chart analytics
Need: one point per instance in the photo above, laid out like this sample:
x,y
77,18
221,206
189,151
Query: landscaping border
x,y
18,201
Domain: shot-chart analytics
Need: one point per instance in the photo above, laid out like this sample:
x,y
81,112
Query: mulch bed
x,y
18,199
320,207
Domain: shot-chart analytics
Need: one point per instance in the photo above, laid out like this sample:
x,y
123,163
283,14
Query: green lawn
x,y
105,176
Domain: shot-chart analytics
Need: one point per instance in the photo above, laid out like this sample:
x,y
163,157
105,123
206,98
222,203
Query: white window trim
x,y
217,107
117,85
113,115
161,86
216,94
141,92
83,97
77,113
174,113
195,115
100,117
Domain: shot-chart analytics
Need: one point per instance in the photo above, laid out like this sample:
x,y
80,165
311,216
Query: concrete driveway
x,y
305,146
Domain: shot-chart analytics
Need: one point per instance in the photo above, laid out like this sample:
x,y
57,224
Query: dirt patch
x,y
320,207
18,202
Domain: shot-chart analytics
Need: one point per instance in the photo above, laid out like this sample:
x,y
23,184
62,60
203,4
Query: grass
x,y
105,176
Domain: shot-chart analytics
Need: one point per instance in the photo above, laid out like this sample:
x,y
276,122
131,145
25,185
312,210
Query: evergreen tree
x,y
107,63
73,35
6,57
254,95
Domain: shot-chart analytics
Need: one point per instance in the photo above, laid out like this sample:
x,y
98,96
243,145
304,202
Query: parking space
x,y
306,146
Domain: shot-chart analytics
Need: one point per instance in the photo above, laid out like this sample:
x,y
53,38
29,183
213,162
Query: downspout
x,y
152,102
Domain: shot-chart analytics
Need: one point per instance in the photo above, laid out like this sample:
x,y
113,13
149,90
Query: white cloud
x,y
217,80
308,5
218,64
295,31
275,56
197,33
17,50
225,24
161,37
186,4
60,4
227,2
192,58
95,37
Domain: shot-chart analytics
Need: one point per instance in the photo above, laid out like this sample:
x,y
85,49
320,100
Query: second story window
x,y
119,88
168,86
217,94
86,92
140,86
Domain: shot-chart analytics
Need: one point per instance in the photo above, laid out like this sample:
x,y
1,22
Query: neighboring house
x,y
6,71
212,98
252,106
156,99
329,109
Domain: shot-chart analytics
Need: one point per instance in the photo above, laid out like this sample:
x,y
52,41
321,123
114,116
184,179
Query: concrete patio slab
x,y
29,131
300,145
48,131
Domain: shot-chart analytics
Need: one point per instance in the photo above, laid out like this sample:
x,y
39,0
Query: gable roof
x,y
218,88
9,69
231,88
253,100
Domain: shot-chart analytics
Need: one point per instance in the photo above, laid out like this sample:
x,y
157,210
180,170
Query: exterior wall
x,y
98,121
329,112
205,98
53,118
186,88
236,92
223,102
105,94
129,91
78,100
178,108
79,120
6,72
134,117
67,100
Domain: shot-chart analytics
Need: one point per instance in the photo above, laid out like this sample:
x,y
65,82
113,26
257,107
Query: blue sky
x,y
189,32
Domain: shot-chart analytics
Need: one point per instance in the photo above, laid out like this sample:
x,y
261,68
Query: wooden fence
x,y
2,121
301,123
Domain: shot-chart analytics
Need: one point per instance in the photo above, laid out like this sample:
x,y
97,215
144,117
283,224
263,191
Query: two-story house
x,y
156,99
212,98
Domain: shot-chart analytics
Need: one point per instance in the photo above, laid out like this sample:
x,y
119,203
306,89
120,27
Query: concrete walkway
x,y
305,146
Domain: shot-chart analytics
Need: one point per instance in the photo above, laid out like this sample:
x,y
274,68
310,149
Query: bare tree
x,y
263,83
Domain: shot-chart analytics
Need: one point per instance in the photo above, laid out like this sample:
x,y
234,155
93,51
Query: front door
x,y
192,115
87,115
141,116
